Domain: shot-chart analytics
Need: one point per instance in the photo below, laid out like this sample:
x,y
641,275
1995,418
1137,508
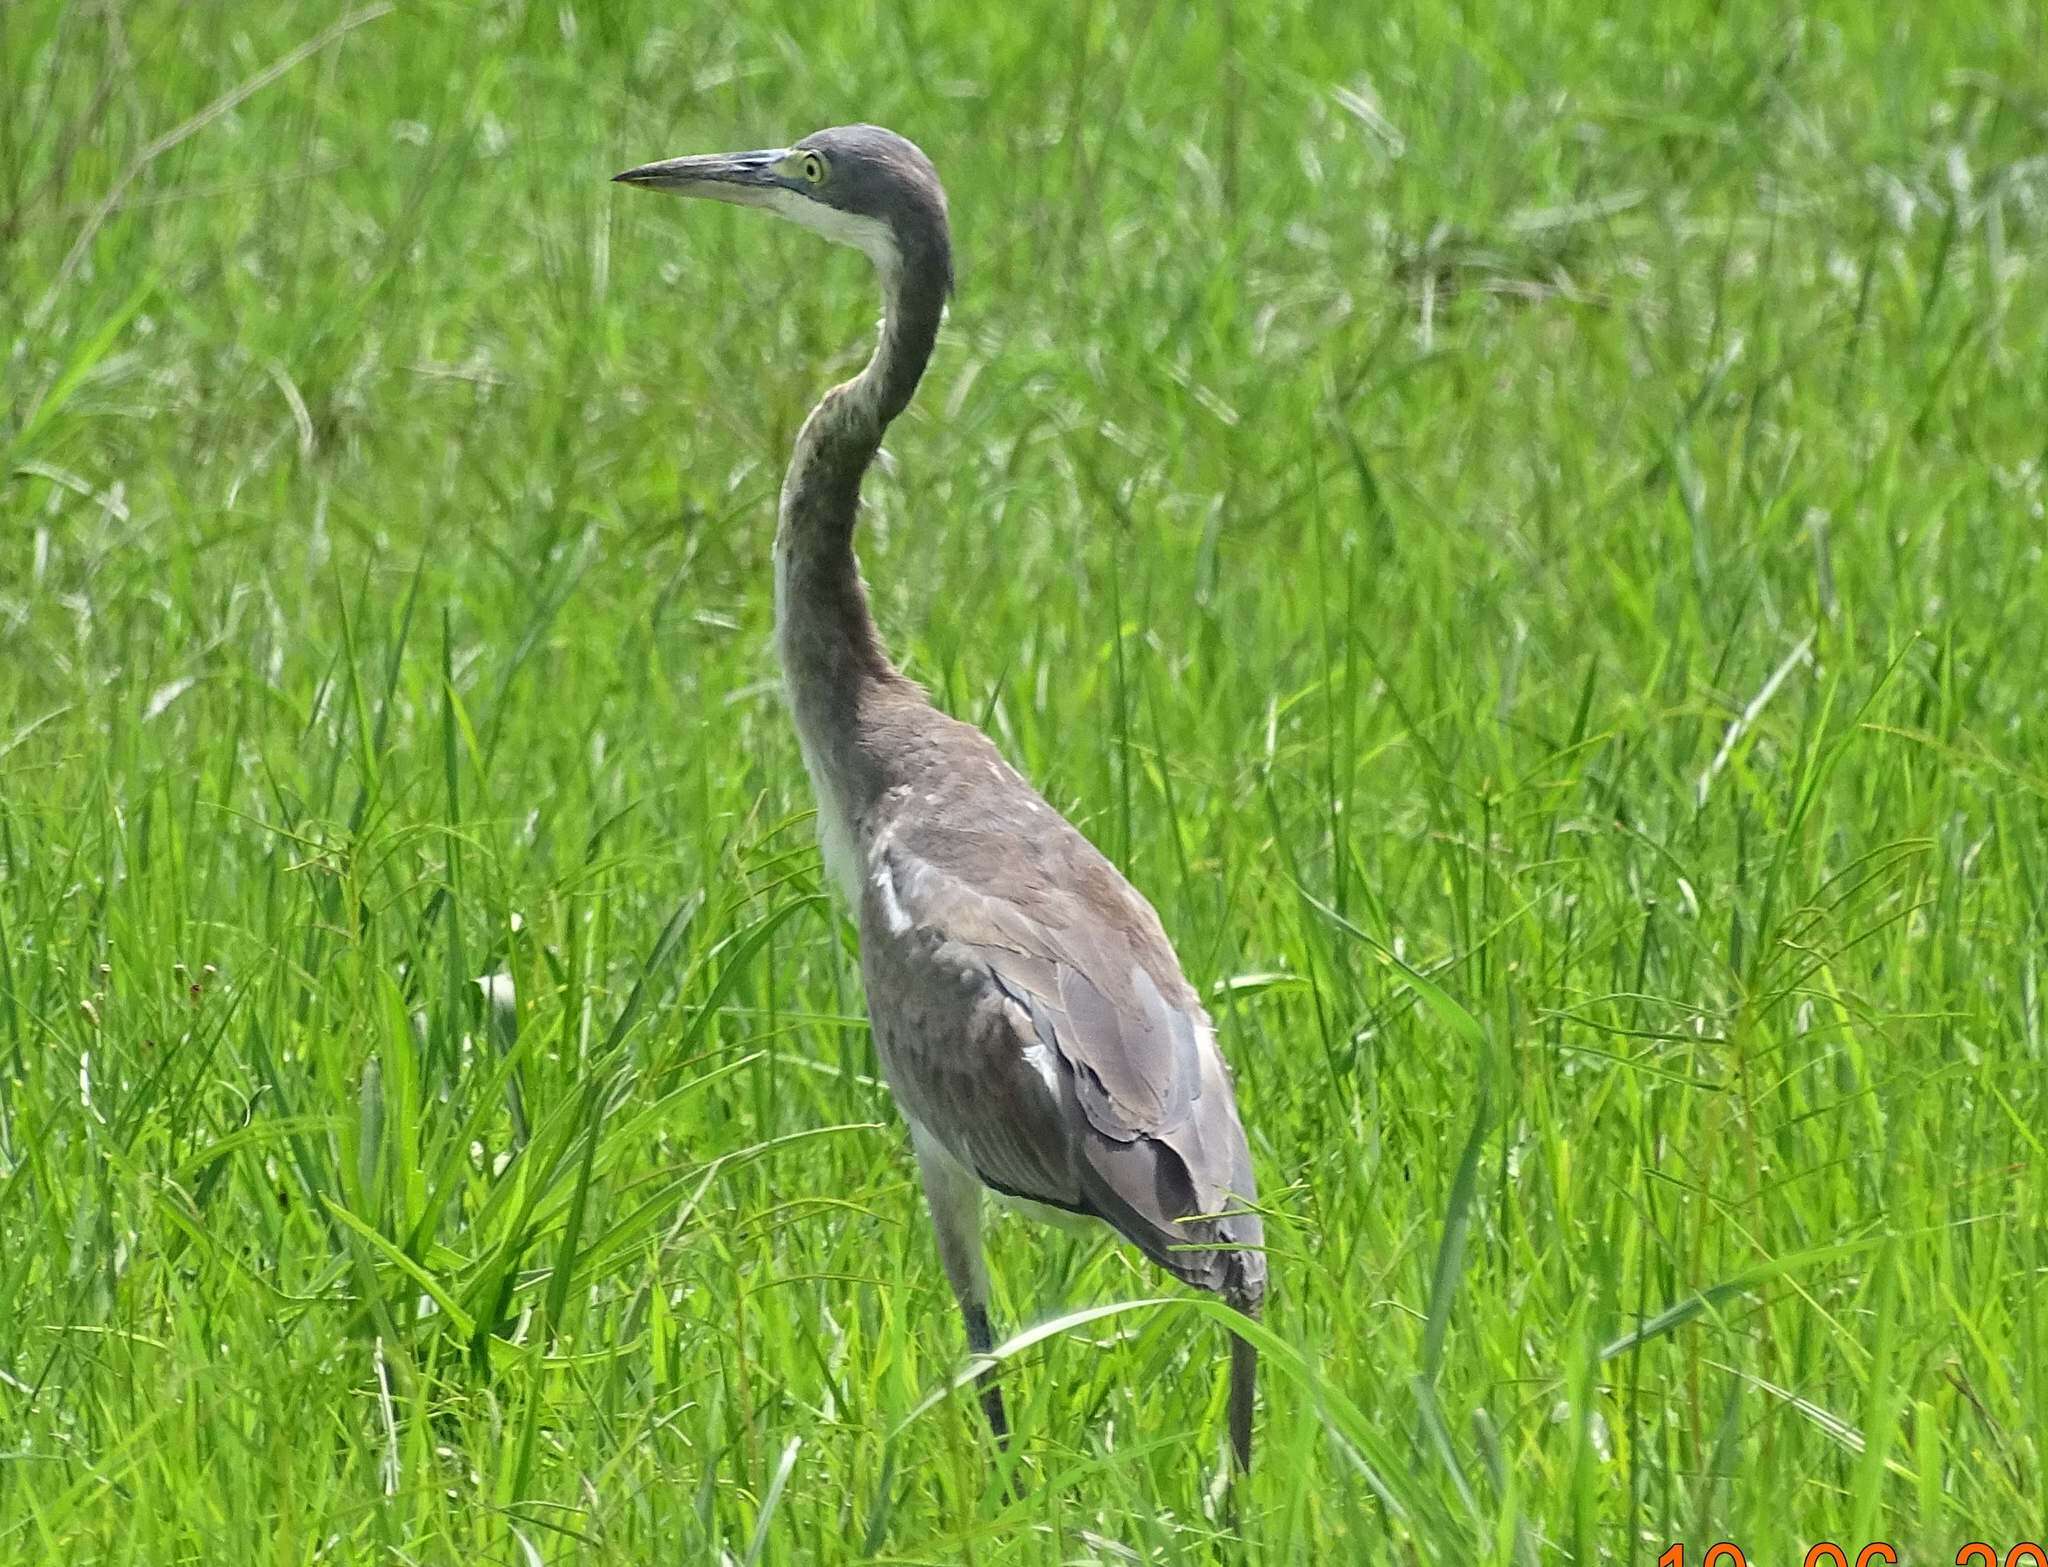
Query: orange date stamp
x,y
1726,1553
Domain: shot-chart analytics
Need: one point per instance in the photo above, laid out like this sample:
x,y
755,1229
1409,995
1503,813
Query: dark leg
x,y
1244,1376
980,1340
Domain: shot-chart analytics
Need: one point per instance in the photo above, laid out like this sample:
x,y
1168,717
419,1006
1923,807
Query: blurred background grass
x,y
1552,498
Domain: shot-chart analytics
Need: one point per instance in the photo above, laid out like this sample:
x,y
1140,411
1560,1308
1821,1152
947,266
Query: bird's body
x,y
1030,1015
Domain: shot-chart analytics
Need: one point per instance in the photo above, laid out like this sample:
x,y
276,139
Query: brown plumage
x,y
1030,1015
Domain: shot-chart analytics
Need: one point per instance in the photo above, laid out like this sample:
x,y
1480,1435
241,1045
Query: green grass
x,y
1523,531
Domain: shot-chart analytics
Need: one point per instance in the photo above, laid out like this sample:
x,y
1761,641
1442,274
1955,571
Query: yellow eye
x,y
814,168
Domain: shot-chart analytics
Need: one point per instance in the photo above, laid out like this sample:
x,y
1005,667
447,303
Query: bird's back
x,y
1032,1016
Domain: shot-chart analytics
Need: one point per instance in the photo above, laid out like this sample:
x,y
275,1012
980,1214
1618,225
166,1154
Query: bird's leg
x,y
980,1340
954,1195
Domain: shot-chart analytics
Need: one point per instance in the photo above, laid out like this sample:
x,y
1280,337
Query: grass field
x,y
1521,529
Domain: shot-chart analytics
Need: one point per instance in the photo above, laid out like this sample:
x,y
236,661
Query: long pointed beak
x,y
744,178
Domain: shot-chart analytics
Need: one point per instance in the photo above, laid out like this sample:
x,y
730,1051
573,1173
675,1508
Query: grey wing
x,y
1046,1036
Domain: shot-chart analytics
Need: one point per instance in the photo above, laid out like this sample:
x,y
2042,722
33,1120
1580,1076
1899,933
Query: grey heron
x,y
1031,1018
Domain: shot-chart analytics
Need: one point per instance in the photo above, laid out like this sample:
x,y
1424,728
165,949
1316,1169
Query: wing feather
x,y
1135,1121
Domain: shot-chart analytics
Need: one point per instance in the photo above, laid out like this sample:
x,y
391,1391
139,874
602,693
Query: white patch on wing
x,y
1040,1060
893,913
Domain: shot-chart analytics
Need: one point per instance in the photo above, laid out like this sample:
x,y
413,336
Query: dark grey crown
x,y
874,173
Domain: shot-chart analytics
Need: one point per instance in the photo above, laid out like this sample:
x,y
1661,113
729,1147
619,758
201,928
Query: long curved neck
x,y
832,656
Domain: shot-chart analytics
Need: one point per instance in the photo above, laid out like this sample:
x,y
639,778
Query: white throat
x,y
870,236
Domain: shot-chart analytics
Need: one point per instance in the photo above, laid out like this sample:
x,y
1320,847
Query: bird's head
x,y
858,185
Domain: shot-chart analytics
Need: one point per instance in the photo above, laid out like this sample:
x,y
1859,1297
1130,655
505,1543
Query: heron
x,y
1031,1019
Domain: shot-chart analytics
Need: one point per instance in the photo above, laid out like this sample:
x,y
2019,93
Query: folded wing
x,y
1045,1035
